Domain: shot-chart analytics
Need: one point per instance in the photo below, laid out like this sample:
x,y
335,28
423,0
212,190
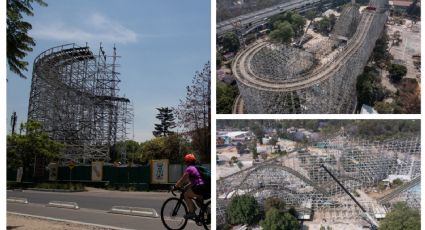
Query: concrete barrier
x,y
63,204
135,211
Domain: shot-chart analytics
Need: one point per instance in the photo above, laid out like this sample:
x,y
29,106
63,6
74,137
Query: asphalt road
x,y
101,200
262,14
92,216
94,207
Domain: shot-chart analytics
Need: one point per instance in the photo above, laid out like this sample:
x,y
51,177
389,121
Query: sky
x,y
161,43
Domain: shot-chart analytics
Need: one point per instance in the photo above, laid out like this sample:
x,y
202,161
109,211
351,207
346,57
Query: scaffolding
x,y
299,180
75,96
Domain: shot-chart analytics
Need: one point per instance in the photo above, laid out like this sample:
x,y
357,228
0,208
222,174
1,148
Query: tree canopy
x,y
194,112
283,33
18,41
171,147
401,217
397,72
226,95
278,220
166,117
243,210
230,42
22,149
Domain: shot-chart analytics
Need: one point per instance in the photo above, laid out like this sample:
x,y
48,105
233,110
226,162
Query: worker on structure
x,y
198,187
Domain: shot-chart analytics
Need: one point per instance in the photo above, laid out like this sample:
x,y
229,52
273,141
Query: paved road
x,y
92,216
94,207
101,200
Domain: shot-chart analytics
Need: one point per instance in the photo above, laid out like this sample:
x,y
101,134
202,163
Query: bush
x,y
226,95
277,220
243,210
401,217
397,182
274,202
397,72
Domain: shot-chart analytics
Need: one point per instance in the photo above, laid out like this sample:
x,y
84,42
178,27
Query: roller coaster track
x,y
288,170
387,198
243,72
58,57
238,105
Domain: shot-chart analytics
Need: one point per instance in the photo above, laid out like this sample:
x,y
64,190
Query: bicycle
x,y
174,209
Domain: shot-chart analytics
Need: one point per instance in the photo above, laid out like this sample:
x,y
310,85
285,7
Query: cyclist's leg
x,y
188,196
199,191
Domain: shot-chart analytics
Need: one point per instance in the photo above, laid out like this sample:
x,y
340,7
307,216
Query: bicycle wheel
x,y
172,214
207,215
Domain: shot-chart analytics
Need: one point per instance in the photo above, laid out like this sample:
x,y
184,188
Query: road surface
x,y
94,207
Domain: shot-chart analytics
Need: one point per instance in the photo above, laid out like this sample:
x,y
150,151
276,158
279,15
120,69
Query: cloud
x,y
97,28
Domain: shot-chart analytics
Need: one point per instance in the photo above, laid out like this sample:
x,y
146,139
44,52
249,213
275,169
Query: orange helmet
x,y
190,158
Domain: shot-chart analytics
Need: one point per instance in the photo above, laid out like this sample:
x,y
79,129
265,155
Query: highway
x,y
264,14
94,207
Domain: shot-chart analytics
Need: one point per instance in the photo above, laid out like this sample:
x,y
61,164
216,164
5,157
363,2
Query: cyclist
x,y
197,188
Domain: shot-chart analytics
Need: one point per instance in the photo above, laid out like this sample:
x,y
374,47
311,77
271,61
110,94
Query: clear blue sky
x,y
162,44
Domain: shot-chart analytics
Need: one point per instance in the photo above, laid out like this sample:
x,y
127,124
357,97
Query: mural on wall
x,y
159,171
97,170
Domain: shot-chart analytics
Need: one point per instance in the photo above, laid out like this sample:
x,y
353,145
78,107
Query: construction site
x,y
340,183
312,75
75,97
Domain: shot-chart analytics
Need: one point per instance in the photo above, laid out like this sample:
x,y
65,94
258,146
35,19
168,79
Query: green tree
x,y
277,220
310,15
23,149
226,95
380,53
283,33
274,202
401,217
171,147
324,26
130,147
166,117
369,88
298,23
194,113
18,41
243,210
397,182
230,42
397,72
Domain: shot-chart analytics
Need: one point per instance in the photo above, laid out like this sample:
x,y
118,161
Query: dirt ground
x,y
30,223
410,45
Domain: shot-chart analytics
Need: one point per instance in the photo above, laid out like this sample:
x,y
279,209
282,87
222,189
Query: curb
x,y
63,204
17,200
134,211
69,221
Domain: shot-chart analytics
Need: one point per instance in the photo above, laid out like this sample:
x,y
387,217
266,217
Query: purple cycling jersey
x,y
194,175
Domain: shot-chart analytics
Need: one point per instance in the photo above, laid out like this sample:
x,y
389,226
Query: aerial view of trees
x,y
226,95
243,210
397,72
401,217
